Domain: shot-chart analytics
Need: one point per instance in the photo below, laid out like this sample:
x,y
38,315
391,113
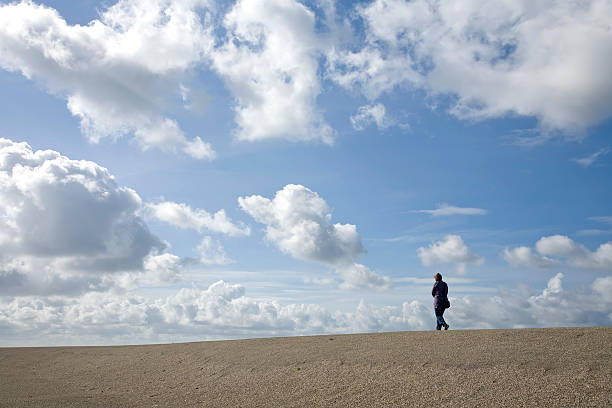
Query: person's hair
x,y
438,277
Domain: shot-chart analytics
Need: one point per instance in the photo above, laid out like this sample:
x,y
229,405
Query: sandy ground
x,y
566,367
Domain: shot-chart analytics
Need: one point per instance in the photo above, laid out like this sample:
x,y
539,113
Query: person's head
x,y
438,277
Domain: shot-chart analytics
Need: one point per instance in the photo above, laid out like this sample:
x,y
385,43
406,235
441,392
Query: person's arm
x,y
433,290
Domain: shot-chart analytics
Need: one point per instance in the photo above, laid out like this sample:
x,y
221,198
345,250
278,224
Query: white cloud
x,y
558,245
357,276
122,73
550,250
589,160
125,72
525,257
163,268
270,63
220,311
551,60
370,70
212,252
66,225
223,311
451,249
183,216
298,221
603,288
576,255
366,115
554,306
446,210
119,73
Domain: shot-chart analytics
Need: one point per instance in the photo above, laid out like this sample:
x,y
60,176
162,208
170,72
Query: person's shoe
x,y
446,326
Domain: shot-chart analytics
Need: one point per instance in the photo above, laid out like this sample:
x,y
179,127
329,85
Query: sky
x,y
199,170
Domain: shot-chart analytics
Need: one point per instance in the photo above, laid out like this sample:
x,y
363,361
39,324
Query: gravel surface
x,y
566,367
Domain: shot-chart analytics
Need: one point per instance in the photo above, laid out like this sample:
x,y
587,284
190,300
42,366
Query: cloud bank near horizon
x,y
223,311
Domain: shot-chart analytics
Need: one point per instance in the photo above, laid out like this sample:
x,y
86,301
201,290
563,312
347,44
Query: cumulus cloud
x,y
358,276
298,221
451,249
67,227
223,311
269,61
549,251
575,254
211,252
446,210
125,72
525,257
119,73
366,115
183,216
550,61
162,268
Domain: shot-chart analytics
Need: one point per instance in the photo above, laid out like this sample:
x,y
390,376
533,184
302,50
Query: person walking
x,y
440,295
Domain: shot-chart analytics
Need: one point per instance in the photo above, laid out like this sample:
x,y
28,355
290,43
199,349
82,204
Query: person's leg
x,y
443,322
439,319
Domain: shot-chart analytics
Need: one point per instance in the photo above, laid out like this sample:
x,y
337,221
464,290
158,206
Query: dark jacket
x,y
439,293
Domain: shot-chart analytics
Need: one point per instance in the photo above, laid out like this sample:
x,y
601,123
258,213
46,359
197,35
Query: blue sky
x,y
353,149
